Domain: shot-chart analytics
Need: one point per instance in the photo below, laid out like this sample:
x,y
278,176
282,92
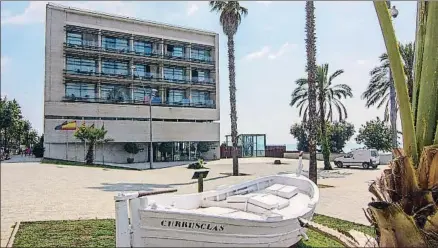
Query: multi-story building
x,y
103,69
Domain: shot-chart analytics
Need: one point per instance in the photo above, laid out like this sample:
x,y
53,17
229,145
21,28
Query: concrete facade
x,y
184,120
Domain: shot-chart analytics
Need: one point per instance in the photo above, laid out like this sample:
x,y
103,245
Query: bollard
x,y
200,184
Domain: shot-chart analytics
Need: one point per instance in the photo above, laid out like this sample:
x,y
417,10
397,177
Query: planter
x,y
130,160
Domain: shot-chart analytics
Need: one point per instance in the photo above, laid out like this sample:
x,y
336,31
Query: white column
x,y
99,39
162,71
98,90
99,65
189,51
131,43
162,46
123,236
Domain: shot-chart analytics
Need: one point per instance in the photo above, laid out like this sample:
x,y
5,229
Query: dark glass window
x,y
175,96
74,38
142,94
200,54
115,93
115,67
174,74
81,65
175,51
144,71
200,97
142,47
80,90
112,43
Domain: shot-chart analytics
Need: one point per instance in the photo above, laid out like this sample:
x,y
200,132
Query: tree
x,y
311,81
328,96
166,148
92,136
300,132
339,133
230,17
381,89
132,149
375,134
377,92
38,149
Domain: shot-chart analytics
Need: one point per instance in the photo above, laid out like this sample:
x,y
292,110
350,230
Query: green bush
x,y
131,148
38,148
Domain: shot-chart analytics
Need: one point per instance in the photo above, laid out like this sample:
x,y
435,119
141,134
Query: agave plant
x,y
404,210
406,196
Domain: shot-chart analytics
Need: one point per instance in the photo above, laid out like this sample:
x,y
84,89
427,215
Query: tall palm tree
x,y
230,17
378,90
311,81
328,95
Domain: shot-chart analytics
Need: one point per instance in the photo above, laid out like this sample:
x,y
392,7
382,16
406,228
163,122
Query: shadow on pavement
x,y
114,187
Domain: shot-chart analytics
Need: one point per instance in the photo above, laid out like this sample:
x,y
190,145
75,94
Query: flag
x,y
59,127
67,125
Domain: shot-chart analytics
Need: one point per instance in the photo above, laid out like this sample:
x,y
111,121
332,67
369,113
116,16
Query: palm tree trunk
x,y
311,74
233,114
324,141
89,158
393,111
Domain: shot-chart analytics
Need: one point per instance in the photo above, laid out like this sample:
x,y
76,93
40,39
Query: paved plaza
x,y
33,191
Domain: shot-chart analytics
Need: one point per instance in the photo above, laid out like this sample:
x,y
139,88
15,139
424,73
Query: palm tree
x,y
230,17
311,81
328,96
381,82
329,93
379,87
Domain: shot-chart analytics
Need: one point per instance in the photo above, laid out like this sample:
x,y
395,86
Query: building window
x,y
200,54
81,65
200,97
74,38
144,71
82,39
175,51
114,67
201,76
80,91
174,74
142,47
175,96
115,93
117,44
142,94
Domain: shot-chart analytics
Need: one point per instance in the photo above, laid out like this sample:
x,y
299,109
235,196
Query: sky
x,y
270,54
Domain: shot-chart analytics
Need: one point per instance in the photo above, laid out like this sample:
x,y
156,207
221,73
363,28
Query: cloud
x,y
264,2
265,52
192,8
35,12
4,62
286,47
258,54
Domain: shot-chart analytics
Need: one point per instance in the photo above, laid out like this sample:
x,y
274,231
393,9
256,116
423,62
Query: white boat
x,y
264,212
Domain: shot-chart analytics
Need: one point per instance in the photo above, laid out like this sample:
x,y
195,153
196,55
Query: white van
x,y
363,157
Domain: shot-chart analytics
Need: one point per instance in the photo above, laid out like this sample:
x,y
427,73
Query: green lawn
x,y
101,233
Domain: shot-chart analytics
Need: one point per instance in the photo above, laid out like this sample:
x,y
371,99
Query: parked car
x,y
361,157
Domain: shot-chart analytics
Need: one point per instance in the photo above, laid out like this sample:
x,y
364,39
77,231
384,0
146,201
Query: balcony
x,y
176,79
156,101
202,80
94,47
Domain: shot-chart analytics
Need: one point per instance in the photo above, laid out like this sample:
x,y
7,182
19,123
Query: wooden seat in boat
x,y
266,201
284,191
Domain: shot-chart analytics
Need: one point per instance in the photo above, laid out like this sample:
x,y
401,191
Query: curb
x,y
13,233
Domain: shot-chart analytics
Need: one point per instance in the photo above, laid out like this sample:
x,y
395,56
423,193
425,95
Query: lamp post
x,y
392,100
152,95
